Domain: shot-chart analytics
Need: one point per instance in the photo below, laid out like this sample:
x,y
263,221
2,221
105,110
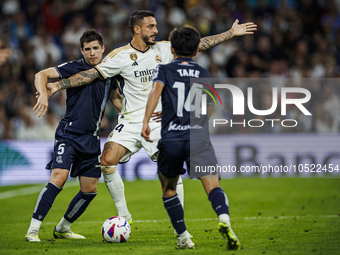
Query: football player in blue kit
x,y
135,62
185,135
77,145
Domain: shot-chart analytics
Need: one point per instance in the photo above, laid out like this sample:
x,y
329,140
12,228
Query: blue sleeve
x,y
67,69
159,74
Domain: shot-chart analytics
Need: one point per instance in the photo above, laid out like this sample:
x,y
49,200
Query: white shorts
x,y
129,135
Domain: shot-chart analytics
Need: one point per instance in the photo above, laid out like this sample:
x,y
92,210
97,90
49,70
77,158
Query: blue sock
x,y
45,201
78,205
176,214
219,201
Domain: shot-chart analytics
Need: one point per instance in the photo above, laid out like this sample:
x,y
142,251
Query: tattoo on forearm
x,y
79,79
64,84
209,42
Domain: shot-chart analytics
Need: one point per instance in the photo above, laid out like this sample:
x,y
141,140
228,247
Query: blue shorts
x,y
173,154
79,153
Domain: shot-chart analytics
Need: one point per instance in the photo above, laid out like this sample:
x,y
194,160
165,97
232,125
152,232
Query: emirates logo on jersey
x,y
158,59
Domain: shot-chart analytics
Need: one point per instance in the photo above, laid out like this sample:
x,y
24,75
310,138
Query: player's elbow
x,y
38,75
42,75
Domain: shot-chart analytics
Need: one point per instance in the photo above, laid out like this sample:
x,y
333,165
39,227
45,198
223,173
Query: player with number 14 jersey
x,y
182,106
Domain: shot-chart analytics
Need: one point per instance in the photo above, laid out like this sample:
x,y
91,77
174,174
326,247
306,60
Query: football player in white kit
x,y
135,64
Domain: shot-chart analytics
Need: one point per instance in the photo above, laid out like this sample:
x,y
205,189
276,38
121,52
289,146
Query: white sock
x,y
224,218
115,186
63,225
180,191
34,226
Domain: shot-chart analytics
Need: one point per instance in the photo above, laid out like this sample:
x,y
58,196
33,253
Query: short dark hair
x,y
185,40
90,36
137,17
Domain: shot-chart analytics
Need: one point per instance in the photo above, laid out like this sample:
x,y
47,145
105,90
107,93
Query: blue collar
x,y
138,49
184,59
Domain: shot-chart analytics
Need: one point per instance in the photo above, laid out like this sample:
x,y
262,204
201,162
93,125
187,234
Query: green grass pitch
x,y
270,216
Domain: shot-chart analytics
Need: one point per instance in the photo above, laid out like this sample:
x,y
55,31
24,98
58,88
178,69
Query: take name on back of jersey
x,y
181,100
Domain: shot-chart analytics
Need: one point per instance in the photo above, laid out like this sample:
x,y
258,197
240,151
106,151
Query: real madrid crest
x,y
133,57
158,59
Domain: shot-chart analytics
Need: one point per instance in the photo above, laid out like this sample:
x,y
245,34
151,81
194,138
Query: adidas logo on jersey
x,y
135,63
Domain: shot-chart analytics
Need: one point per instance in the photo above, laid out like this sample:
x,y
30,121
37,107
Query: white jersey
x,y
136,68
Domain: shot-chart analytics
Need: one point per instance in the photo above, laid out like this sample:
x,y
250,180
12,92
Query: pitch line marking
x,y
30,190
214,219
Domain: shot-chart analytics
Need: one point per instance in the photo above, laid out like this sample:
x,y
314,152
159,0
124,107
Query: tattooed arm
x,y
209,42
79,79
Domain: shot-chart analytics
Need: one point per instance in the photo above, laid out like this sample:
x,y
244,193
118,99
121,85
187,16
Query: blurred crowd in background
x,y
295,39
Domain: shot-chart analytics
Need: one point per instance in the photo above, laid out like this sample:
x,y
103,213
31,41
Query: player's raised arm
x,y
209,42
79,79
154,96
40,83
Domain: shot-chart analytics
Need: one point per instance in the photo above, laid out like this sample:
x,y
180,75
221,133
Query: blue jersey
x,y
85,105
181,110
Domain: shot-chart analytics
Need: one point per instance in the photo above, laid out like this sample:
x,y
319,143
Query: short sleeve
x,y
159,74
67,69
110,66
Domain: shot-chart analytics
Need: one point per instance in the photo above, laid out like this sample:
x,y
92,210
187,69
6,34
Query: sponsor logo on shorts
x,y
59,159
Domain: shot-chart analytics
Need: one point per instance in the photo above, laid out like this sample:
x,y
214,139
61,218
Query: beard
x,y
146,40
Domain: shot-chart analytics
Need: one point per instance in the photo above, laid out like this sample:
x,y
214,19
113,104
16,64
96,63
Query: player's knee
x,y
108,169
58,183
59,178
89,189
167,192
104,161
169,189
107,160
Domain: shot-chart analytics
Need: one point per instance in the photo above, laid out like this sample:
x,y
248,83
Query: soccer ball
x,y
116,230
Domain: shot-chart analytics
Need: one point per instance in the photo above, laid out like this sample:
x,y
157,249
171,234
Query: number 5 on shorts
x,y
61,149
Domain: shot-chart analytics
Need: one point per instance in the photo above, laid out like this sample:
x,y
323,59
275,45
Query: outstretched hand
x,y
243,29
41,106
